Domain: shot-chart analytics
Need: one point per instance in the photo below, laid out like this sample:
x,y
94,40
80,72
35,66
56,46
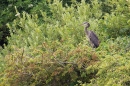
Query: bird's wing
x,y
92,34
94,39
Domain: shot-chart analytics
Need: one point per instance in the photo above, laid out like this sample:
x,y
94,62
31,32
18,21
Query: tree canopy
x,y
46,44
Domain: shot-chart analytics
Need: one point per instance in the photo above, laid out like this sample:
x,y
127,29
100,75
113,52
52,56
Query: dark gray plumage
x,y
94,41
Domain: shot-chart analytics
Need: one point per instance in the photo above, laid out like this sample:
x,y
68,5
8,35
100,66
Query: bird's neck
x,y
86,30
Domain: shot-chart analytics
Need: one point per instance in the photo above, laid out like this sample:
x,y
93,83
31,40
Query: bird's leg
x,y
91,44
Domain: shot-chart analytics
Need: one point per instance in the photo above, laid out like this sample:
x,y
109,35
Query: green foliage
x,y
52,68
8,13
113,71
119,46
50,46
118,22
53,50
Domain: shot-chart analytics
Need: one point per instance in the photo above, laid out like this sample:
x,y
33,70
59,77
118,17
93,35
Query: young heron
x,y
94,41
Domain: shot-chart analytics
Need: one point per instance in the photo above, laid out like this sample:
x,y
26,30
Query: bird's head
x,y
86,24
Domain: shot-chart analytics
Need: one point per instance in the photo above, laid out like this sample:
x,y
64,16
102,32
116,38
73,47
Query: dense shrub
x,y
53,41
8,13
51,68
53,50
113,71
118,22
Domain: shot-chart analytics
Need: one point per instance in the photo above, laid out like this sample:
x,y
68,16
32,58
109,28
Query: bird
x,y
93,38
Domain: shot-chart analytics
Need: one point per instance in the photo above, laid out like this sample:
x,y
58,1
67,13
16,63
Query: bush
x,y
8,13
117,23
114,71
52,68
54,51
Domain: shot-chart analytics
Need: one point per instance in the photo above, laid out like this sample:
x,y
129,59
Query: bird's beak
x,y
81,24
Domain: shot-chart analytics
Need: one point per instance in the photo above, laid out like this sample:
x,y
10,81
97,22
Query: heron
x,y
93,39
